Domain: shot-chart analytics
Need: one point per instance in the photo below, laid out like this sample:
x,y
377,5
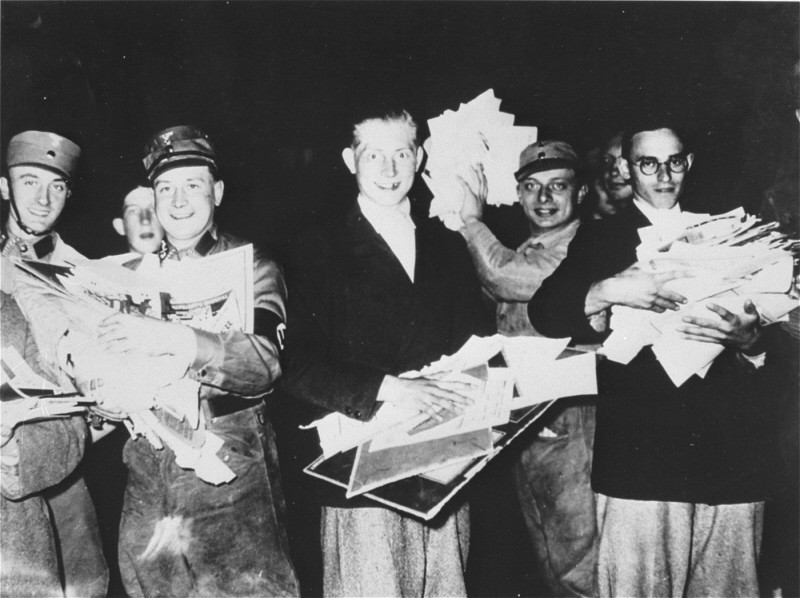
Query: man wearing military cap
x,y
40,169
552,471
179,535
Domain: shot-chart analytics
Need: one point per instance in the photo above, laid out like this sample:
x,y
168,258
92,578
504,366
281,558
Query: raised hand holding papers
x,y
477,133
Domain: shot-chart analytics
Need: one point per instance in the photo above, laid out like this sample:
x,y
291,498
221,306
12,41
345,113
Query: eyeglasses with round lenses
x,y
649,165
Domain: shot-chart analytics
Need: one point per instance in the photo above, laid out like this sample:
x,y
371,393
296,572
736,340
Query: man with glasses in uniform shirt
x,y
680,472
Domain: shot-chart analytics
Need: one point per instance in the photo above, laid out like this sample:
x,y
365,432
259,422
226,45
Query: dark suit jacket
x,y
355,316
709,441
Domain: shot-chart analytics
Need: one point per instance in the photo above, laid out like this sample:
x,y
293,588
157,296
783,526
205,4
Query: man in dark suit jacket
x,y
376,293
680,473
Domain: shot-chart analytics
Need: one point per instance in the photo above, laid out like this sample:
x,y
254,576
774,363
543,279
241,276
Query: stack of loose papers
x,y
478,134
27,397
398,443
728,258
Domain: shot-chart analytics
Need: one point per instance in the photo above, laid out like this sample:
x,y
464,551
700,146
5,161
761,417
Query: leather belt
x,y
229,404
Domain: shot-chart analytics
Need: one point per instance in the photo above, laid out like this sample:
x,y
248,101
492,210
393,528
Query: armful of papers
x,y
732,258
399,443
214,294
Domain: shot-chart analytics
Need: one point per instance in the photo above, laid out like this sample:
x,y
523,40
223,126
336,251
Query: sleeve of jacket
x,y
506,274
314,373
557,308
41,455
244,364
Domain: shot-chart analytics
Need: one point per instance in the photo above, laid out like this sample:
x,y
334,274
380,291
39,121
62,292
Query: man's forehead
x,y
138,201
183,173
26,170
386,133
660,143
614,149
547,175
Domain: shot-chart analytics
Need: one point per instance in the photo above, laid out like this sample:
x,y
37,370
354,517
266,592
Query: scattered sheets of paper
x,y
728,259
478,133
541,377
399,443
27,397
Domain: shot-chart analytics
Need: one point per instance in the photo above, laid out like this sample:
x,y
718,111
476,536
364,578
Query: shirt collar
x,y
383,216
200,249
41,248
657,216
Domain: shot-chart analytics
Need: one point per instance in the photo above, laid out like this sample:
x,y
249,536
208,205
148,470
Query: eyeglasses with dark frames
x,y
649,165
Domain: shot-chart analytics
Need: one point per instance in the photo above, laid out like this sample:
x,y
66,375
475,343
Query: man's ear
x,y
219,189
689,161
420,156
118,226
4,190
349,157
624,168
582,193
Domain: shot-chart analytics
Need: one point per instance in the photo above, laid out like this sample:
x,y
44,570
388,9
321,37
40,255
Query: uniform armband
x,y
270,325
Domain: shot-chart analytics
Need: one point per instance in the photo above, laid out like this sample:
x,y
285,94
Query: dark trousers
x,y
180,536
554,490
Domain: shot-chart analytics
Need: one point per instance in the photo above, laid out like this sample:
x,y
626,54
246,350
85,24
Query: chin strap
x,y
24,227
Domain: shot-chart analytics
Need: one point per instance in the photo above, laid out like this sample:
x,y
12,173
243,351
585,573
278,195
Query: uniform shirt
x,y
510,277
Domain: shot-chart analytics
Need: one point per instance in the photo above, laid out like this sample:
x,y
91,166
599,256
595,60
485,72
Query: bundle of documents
x,y
399,443
478,134
27,397
214,294
728,259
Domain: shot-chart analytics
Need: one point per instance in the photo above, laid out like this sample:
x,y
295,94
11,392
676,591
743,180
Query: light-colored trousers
x,y
651,548
379,552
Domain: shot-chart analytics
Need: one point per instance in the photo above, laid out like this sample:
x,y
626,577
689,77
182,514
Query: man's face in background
x,y
138,223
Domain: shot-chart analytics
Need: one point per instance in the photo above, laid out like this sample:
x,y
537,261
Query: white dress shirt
x,y
395,225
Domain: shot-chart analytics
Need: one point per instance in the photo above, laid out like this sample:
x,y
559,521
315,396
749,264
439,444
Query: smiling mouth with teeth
x,y
389,187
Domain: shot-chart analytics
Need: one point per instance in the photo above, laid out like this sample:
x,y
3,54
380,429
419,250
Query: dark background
x,y
272,82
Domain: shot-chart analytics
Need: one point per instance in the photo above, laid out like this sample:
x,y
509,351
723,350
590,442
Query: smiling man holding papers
x,y
375,293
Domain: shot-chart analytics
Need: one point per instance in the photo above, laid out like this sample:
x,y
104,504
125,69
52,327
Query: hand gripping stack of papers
x,y
398,444
729,258
149,393
478,133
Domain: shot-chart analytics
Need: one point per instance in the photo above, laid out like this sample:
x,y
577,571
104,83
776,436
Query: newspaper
x,y
214,294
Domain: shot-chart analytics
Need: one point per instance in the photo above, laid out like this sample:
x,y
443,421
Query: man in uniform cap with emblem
x,y
50,541
40,169
552,471
179,535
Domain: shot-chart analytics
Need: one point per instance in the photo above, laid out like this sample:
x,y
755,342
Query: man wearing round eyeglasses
x,y
680,473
